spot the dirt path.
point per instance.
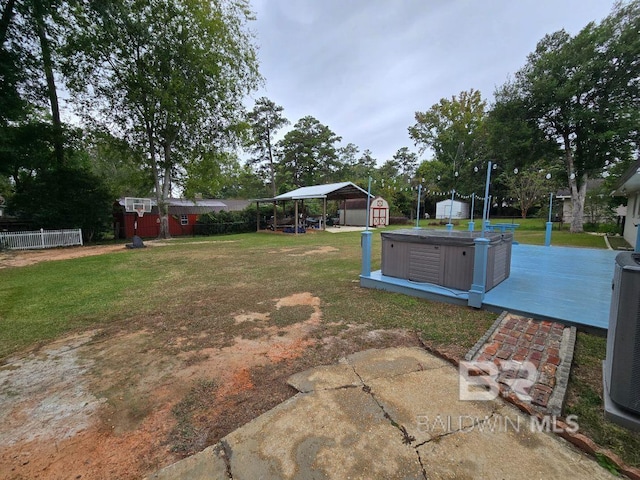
(103, 406)
(23, 258)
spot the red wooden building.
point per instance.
(183, 215)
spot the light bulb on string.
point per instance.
(515, 170)
(548, 176)
(572, 176)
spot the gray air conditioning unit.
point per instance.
(621, 367)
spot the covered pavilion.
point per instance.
(331, 191)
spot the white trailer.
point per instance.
(445, 207)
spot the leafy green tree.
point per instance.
(454, 130)
(265, 120)
(407, 161)
(223, 178)
(64, 197)
(118, 163)
(529, 185)
(583, 93)
(356, 168)
(169, 75)
(309, 154)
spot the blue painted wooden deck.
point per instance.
(569, 285)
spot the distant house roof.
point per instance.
(629, 182)
(592, 184)
(331, 191)
(183, 206)
(235, 205)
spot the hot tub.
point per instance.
(444, 257)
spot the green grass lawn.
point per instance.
(198, 285)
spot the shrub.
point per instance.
(223, 222)
(399, 221)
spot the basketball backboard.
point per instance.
(137, 205)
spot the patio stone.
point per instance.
(542, 346)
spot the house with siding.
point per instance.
(629, 186)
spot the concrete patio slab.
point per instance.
(504, 447)
(400, 421)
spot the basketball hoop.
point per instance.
(140, 210)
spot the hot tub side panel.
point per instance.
(426, 263)
(458, 268)
(395, 258)
(498, 263)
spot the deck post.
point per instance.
(365, 242)
(472, 224)
(478, 287)
(418, 210)
(547, 234)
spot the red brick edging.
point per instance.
(578, 440)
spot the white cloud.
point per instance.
(363, 67)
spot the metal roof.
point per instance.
(183, 202)
(183, 206)
(331, 191)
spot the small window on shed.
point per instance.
(184, 220)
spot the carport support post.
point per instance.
(324, 213)
(638, 239)
(295, 224)
(365, 242)
(476, 294)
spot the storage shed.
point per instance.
(444, 208)
(354, 212)
(183, 215)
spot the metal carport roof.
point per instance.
(331, 191)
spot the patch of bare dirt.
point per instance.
(104, 406)
(316, 251)
(23, 258)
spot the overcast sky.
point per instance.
(364, 67)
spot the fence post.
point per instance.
(80, 233)
(42, 236)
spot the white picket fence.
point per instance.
(41, 239)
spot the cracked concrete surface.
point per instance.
(384, 414)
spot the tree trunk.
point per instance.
(163, 203)
(5, 21)
(578, 194)
(272, 172)
(58, 143)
